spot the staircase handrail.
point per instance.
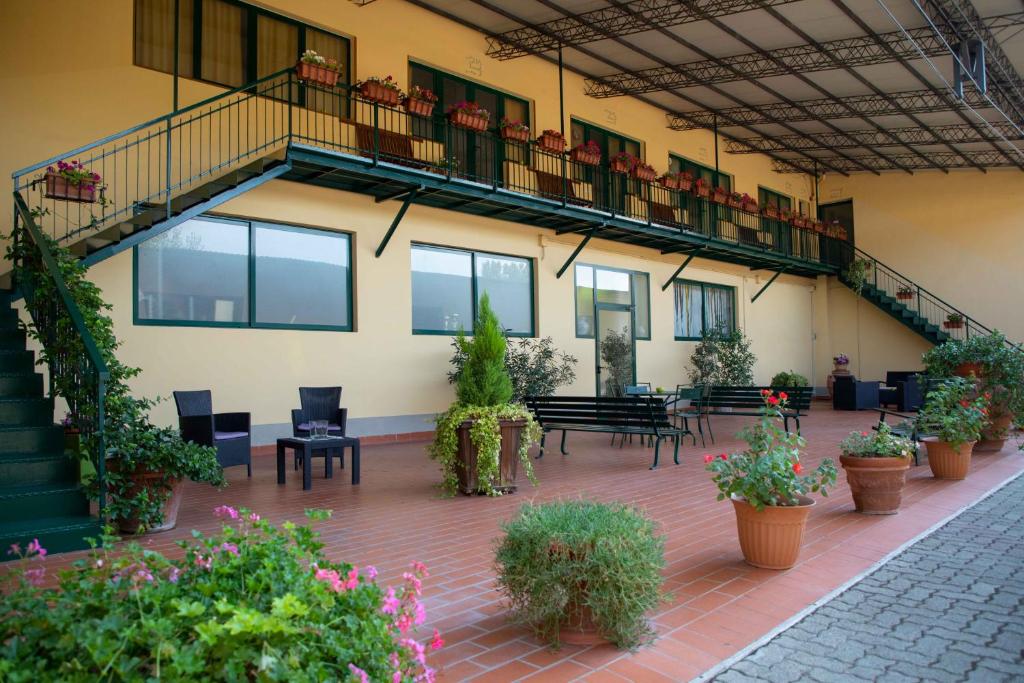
(47, 321)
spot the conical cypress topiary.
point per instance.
(484, 380)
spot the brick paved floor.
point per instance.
(718, 604)
(948, 608)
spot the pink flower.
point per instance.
(204, 562)
(416, 650)
(420, 613)
(391, 603)
(228, 548)
(420, 569)
(413, 582)
(253, 517)
(359, 673)
(437, 643)
(225, 511)
(708, 458)
(34, 548)
(35, 576)
(15, 549)
(404, 623)
(370, 571)
(172, 574)
(330, 576)
(863, 433)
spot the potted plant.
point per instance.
(685, 179)
(623, 162)
(420, 101)
(800, 221)
(857, 274)
(514, 130)
(73, 182)
(670, 181)
(551, 140)
(748, 203)
(588, 153)
(904, 293)
(313, 67)
(482, 438)
(768, 489)
(535, 367)
(954, 321)
(241, 604)
(788, 380)
(771, 210)
(734, 200)
(644, 171)
(840, 367)
(380, 90)
(720, 195)
(469, 115)
(581, 572)
(955, 415)
(876, 464)
(701, 188)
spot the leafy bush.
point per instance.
(253, 602)
(558, 557)
(1002, 367)
(954, 413)
(723, 359)
(768, 472)
(880, 443)
(535, 367)
(789, 379)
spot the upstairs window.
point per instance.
(766, 196)
(678, 164)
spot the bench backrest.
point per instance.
(750, 397)
(600, 411)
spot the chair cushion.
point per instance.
(224, 436)
(305, 426)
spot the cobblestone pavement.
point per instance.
(948, 608)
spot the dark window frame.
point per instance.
(679, 163)
(473, 253)
(703, 305)
(251, 224)
(593, 286)
(766, 194)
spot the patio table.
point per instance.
(309, 447)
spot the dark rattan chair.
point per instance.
(229, 433)
(319, 403)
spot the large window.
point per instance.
(447, 285)
(219, 272)
(595, 285)
(701, 307)
(678, 164)
(766, 196)
(227, 42)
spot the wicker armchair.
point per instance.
(229, 433)
(319, 403)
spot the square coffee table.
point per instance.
(322, 447)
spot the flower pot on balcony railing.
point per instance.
(314, 68)
(799, 221)
(469, 115)
(420, 101)
(748, 203)
(642, 171)
(516, 131)
(954, 321)
(719, 195)
(701, 188)
(669, 181)
(588, 153)
(551, 141)
(734, 200)
(623, 162)
(904, 293)
(72, 182)
(772, 211)
(380, 90)
(818, 227)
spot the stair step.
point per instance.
(12, 338)
(17, 361)
(26, 412)
(20, 503)
(31, 439)
(27, 384)
(58, 534)
(8, 319)
(26, 469)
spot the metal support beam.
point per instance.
(679, 270)
(397, 194)
(768, 284)
(398, 219)
(575, 253)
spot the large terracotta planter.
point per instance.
(508, 458)
(993, 437)
(945, 461)
(967, 369)
(876, 483)
(771, 538)
(148, 480)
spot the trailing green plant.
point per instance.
(253, 602)
(769, 472)
(558, 557)
(877, 443)
(789, 379)
(857, 274)
(483, 397)
(1002, 367)
(954, 412)
(129, 438)
(723, 358)
(617, 357)
(535, 366)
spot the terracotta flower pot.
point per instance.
(733, 203)
(945, 461)
(904, 296)
(584, 157)
(508, 458)
(771, 538)
(59, 187)
(579, 627)
(149, 480)
(686, 184)
(619, 166)
(463, 119)
(669, 183)
(966, 369)
(648, 174)
(418, 107)
(993, 436)
(551, 143)
(953, 324)
(516, 134)
(375, 92)
(876, 483)
(750, 207)
(314, 73)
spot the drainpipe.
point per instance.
(714, 120)
(561, 94)
(177, 32)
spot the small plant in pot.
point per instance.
(73, 182)
(581, 572)
(381, 90)
(768, 488)
(420, 101)
(954, 321)
(514, 130)
(876, 464)
(483, 437)
(953, 414)
(904, 293)
(785, 380)
(588, 153)
(315, 68)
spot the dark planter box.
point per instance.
(508, 459)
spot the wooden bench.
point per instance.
(644, 415)
(749, 400)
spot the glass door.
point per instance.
(615, 348)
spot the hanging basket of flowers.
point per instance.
(469, 115)
(622, 162)
(551, 141)
(643, 171)
(420, 101)
(313, 67)
(588, 153)
(516, 131)
(380, 90)
(72, 182)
